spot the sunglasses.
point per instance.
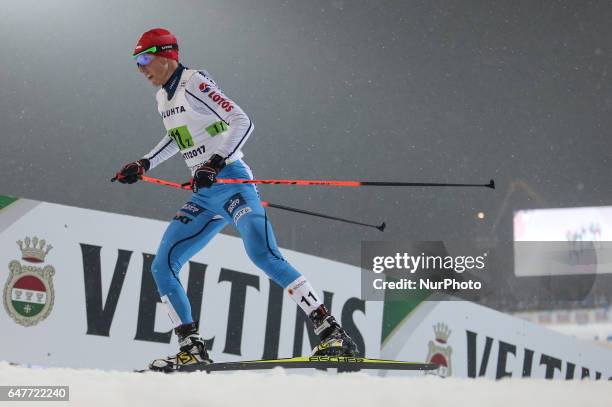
(145, 57)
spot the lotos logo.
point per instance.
(221, 101)
(204, 87)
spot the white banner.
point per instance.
(102, 309)
(469, 340)
(78, 293)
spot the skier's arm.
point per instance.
(238, 124)
(162, 151)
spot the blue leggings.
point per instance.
(199, 220)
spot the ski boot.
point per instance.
(334, 339)
(192, 351)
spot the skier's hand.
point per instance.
(206, 175)
(132, 172)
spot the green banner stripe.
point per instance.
(6, 200)
(394, 312)
(27, 309)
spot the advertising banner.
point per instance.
(563, 241)
(78, 292)
(469, 340)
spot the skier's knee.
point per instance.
(262, 257)
(257, 257)
(162, 272)
(157, 271)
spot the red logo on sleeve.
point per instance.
(204, 87)
(221, 101)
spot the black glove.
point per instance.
(132, 172)
(206, 175)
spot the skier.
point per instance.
(209, 130)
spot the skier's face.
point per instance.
(158, 71)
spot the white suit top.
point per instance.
(200, 121)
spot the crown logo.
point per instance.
(33, 250)
(442, 332)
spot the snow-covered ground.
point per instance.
(277, 388)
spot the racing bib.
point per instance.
(181, 136)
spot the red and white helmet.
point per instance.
(158, 41)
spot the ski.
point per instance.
(342, 363)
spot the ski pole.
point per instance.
(334, 183)
(302, 182)
(167, 183)
(380, 227)
(161, 181)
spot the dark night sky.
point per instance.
(440, 91)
